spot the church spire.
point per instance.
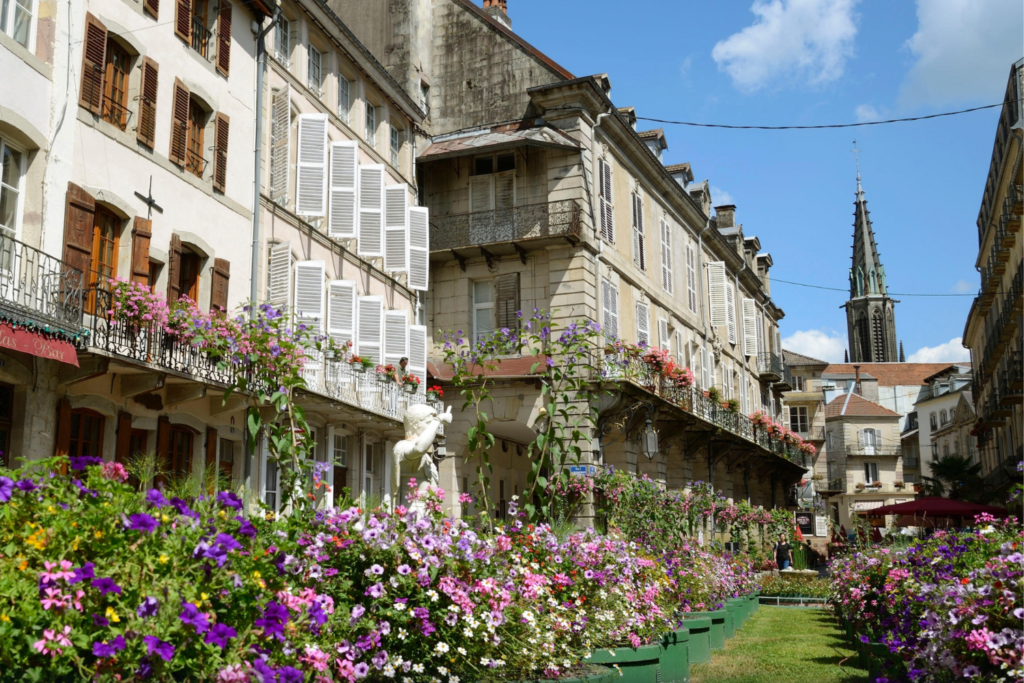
(867, 276)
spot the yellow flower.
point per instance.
(49, 508)
(112, 615)
(98, 534)
(163, 559)
(269, 516)
(4, 617)
(23, 565)
(198, 603)
(204, 597)
(222, 514)
(256, 575)
(164, 518)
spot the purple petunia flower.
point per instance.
(191, 616)
(99, 621)
(83, 573)
(376, 590)
(287, 674)
(376, 570)
(105, 585)
(149, 607)
(229, 500)
(361, 669)
(317, 615)
(220, 634)
(108, 649)
(245, 527)
(404, 569)
(264, 672)
(145, 669)
(357, 613)
(228, 542)
(140, 521)
(155, 498)
(82, 488)
(80, 462)
(26, 485)
(380, 659)
(161, 649)
(275, 616)
(183, 509)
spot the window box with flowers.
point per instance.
(435, 393)
(387, 372)
(360, 364)
(732, 405)
(410, 383)
(898, 485)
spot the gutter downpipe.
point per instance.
(261, 60)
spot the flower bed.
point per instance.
(787, 586)
(100, 582)
(948, 608)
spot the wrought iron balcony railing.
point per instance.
(155, 347)
(1001, 474)
(116, 113)
(36, 287)
(911, 461)
(770, 366)
(881, 450)
(810, 433)
(533, 221)
(692, 400)
(201, 36)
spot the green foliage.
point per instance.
(957, 478)
(788, 585)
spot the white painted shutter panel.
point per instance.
(309, 311)
(396, 337)
(504, 190)
(716, 292)
(311, 169)
(730, 311)
(760, 332)
(680, 356)
(396, 228)
(344, 164)
(418, 354)
(371, 210)
(610, 303)
(280, 143)
(705, 368)
(643, 327)
(664, 341)
(279, 280)
(341, 311)
(368, 327)
(691, 279)
(749, 327)
(419, 247)
(666, 256)
(481, 193)
(604, 171)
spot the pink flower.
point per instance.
(114, 471)
(234, 673)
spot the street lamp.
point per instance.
(649, 440)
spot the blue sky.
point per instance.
(799, 62)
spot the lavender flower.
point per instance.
(140, 521)
(191, 616)
(161, 649)
(148, 608)
(220, 634)
(108, 649)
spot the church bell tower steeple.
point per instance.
(870, 314)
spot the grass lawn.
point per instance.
(783, 645)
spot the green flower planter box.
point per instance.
(742, 609)
(700, 639)
(730, 620)
(739, 614)
(756, 596)
(641, 665)
(675, 660)
(875, 658)
(716, 635)
(595, 674)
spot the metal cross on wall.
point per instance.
(150, 202)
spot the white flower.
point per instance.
(462, 651)
(442, 670)
(441, 648)
(417, 668)
(453, 679)
(402, 635)
(400, 606)
(468, 632)
(432, 594)
(389, 671)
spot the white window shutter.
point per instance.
(396, 228)
(749, 327)
(610, 303)
(604, 171)
(344, 164)
(664, 339)
(730, 311)
(309, 295)
(280, 143)
(369, 322)
(341, 311)
(311, 169)
(371, 210)
(504, 190)
(279, 279)
(680, 356)
(418, 354)
(481, 193)
(705, 368)
(396, 337)
(666, 256)
(691, 279)
(716, 292)
(643, 325)
(419, 248)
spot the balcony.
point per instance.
(691, 400)
(881, 450)
(1003, 474)
(560, 220)
(786, 383)
(811, 433)
(770, 367)
(36, 287)
(911, 462)
(201, 36)
(1011, 381)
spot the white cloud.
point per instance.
(963, 50)
(964, 287)
(790, 40)
(719, 197)
(866, 112)
(827, 346)
(952, 351)
(684, 68)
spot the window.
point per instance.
(182, 440)
(604, 176)
(196, 123)
(942, 418)
(314, 77)
(909, 478)
(933, 420)
(270, 477)
(666, 256)
(610, 305)
(86, 433)
(372, 481)
(828, 440)
(798, 383)
(868, 440)
(344, 98)
(425, 98)
(154, 273)
(340, 450)
(691, 279)
(396, 144)
(956, 446)
(11, 171)
(870, 473)
(188, 274)
(483, 309)
(200, 33)
(282, 41)
(945, 449)
(106, 237)
(798, 419)
(643, 325)
(115, 85)
(371, 124)
(16, 20)
(226, 460)
(639, 240)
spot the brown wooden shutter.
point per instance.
(141, 233)
(63, 444)
(124, 437)
(179, 123)
(153, 7)
(220, 152)
(183, 20)
(146, 130)
(79, 219)
(94, 64)
(174, 269)
(506, 305)
(163, 448)
(211, 449)
(221, 275)
(224, 38)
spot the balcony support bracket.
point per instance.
(489, 256)
(521, 252)
(88, 367)
(183, 393)
(134, 385)
(218, 406)
(460, 259)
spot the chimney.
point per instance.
(725, 215)
(498, 9)
(856, 380)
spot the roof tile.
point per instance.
(858, 406)
(889, 374)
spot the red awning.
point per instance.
(37, 344)
(939, 507)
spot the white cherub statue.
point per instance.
(422, 422)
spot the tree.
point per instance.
(957, 476)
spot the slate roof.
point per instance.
(858, 406)
(498, 140)
(889, 374)
(794, 358)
